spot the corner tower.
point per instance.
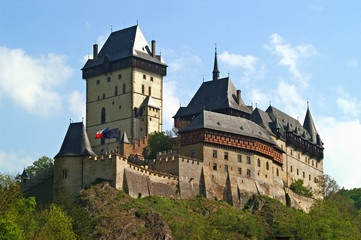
(121, 82)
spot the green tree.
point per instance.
(158, 142)
(327, 185)
(39, 165)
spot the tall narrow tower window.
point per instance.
(103, 115)
(150, 91)
(123, 88)
(116, 91)
(142, 89)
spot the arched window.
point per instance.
(103, 115)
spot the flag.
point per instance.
(100, 134)
(112, 133)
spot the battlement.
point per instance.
(165, 158)
(151, 172)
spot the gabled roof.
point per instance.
(128, 42)
(213, 96)
(76, 142)
(229, 124)
(261, 118)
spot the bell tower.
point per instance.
(124, 88)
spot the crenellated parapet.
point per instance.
(38, 178)
(151, 172)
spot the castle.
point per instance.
(228, 151)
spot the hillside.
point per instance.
(115, 215)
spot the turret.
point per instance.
(215, 68)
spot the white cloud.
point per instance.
(342, 142)
(13, 162)
(350, 106)
(259, 98)
(100, 41)
(76, 101)
(180, 63)
(31, 82)
(352, 62)
(170, 103)
(247, 62)
(291, 56)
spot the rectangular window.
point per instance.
(150, 91)
(144, 77)
(98, 81)
(215, 166)
(226, 168)
(108, 79)
(304, 175)
(316, 164)
(225, 155)
(123, 88)
(299, 155)
(65, 173)
(116, 90)
(291, 169)
(248, 160)
(119, 76)
(240, 171)
(297, 171)
(278, 173)
(309, 177)
(258, 162)
(151, 79)
(239, 158)
(248, 172)
(214, 153)
(142, 89)
(103, 95)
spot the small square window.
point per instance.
(239, 158)
(108, 79)
(215, 166)
(98, 82)
(119, 76)
(151, 79)
(144, 76)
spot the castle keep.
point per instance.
(228, 149)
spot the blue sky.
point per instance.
(280, 51)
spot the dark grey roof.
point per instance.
(76, 142)
(213, 96)
(309, 125)
(179, 112)
(124, 138)
(24, 174)
(128, 42)
(289, 124)
(229, 124)
(261, 118)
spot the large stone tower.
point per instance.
(124, 88)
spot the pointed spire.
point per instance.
(309, 125)
(215, 68)
(124, 138)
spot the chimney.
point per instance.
(95, 52)
(153, 48)
(239, 97)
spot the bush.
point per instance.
(297, 187)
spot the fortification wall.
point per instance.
(300, 202)
(139, 181)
